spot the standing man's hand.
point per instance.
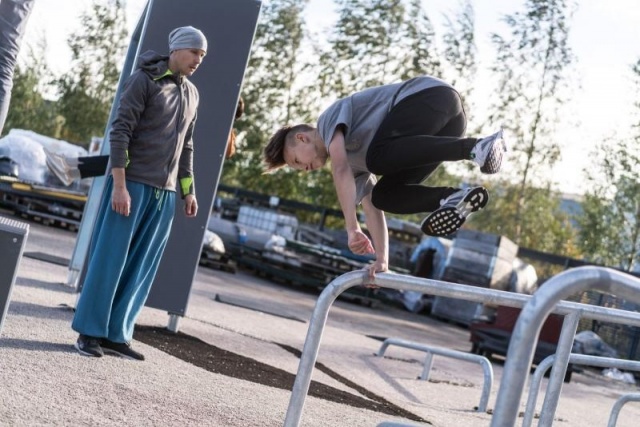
(190, 206)
(121, 201)
(120, 198)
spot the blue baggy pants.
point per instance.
(123, 260)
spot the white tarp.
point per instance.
(29, 150)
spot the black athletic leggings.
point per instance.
(417, 135)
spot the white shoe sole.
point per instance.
(448, 219)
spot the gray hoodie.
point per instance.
(151, 135)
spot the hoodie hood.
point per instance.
(153, 63)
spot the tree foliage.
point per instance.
(292, 76)
(531, 69)
(610, 222)
(87, 90)
(29, 108)
(276, 94)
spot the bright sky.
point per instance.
(604, 37)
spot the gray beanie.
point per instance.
(187, 38)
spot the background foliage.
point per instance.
(294, 73)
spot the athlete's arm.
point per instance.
(345, 185)
(377, 226)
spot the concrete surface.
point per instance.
(46, 382)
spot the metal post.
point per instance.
(559, 370)
(312, 343)
(426, 370)
(174, 322)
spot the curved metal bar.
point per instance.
(575, 359)
(454, 354)
(312, 343)
(613, 418)
(520, 353)
(529, 324)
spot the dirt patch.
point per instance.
(213, 359)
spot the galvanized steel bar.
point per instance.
(426, 367)
(487, 369)
(529, 324)
(546, 300)
(575, 359)
(559, 370)
(613, 418)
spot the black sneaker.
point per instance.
(89, 346)
(454, 210)
(121, 349)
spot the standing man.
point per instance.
(14, 15)
(151, 154)
(401, 132)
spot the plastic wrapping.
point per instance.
(29, 151)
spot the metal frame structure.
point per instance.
(536, 308)
(487, 369)
(576, 359)
(613, 418)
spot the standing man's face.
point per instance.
(187, 61)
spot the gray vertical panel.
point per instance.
(229, 26)
(13, 238)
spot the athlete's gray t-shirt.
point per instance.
(360, 115)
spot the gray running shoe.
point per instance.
(454, 210)
(488, 152)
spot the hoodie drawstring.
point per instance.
(160, 196)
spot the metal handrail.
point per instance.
(613, 418)
(522, 344)
(484, 363)
(575, 359)
(547, 298)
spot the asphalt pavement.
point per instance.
(44, 381)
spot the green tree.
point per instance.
(417, 47)
(364, 47)
(29, 109)
(86, 92)
(610, 222)
(460, 53)
(460, 47)
(531, 69)
(556, 233)
(275, 94)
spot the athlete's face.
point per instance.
(306, 154)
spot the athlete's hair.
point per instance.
(273, 154)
